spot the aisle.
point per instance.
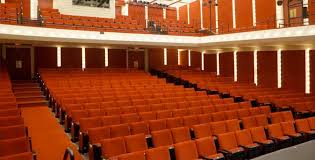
(48, 138)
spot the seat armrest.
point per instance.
(34, 154)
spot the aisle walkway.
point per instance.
(48, 138)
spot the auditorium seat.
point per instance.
(136, 143)
(244, 139)
(259, 136)
(218, 128)
(202, 130)
(275, 132)
(302, 126)
(113, 147)
(207, 150)
(139, 127)
(159, 153)
(15, 146)
(162, 138)
(186, 151)
(15, 131)
(119, 130)
(156, 125)
(132, 156)
(174, 122)
(289, 130)
(228, 145)
(180, 134)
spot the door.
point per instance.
(136, 59)
(19, 63)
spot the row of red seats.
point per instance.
(281, 98)
(14, 140)
(231, 144)
(148, 125)
(53, 19)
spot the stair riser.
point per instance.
(33, 104)
(25, 85)
(28, 94)
(30, 99)
(26, 89)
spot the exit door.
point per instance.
(19, 63)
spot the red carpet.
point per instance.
(48, 138)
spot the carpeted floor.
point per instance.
(48, 138)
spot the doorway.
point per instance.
(19, 63)
(136, 59)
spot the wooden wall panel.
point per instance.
(184, 58)
(195, 59)
(155, 13)
(267, 69)
(172, 57)
(265, 13)
(183, 13)
(117, 58)
(312, 71)
(311, 11)
(171, 13)
(293, 70)
(156, 57)
(71, 58)
(206, 15)
(137, 12)
(245, 67)
(94, 58)
(45, 57)
(227, 64)
(225, 15)
(210, 62)
(244, 14)
(194, 13)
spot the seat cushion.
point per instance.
(253, 145)
(236, 150)
(216, 156)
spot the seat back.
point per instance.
(275, 130)
(180, 134)
(136, 143)
(243, 137)
(232, 125)
(205, 146)
(113, 147)
(227, 141)
(202, 130)
(162, 138)
(186, 151)
(160, 153)
(258, 134)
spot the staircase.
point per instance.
(28, 94)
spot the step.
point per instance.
(17, 89)
(27, 93)
(30, 98)
(25, 85)
(33, 103)
(23, 81)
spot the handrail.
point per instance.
(68, 153)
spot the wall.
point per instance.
(244, 14)
(293, 70)
(245, 67)
(206, 15)
(155, 13)
(210, 62)
(94, 58)
(194, 13)
(171, 13)
(183, 13)
(66, 7)
(172, 57)
(156, 57)
(312, 71)
(195, 59)
(71, 58)
(137, 12)
(267, 69)
(45, 57)
(225, 15)
(265, 13)
(184, 58)
(227, 64)
(117, 58)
